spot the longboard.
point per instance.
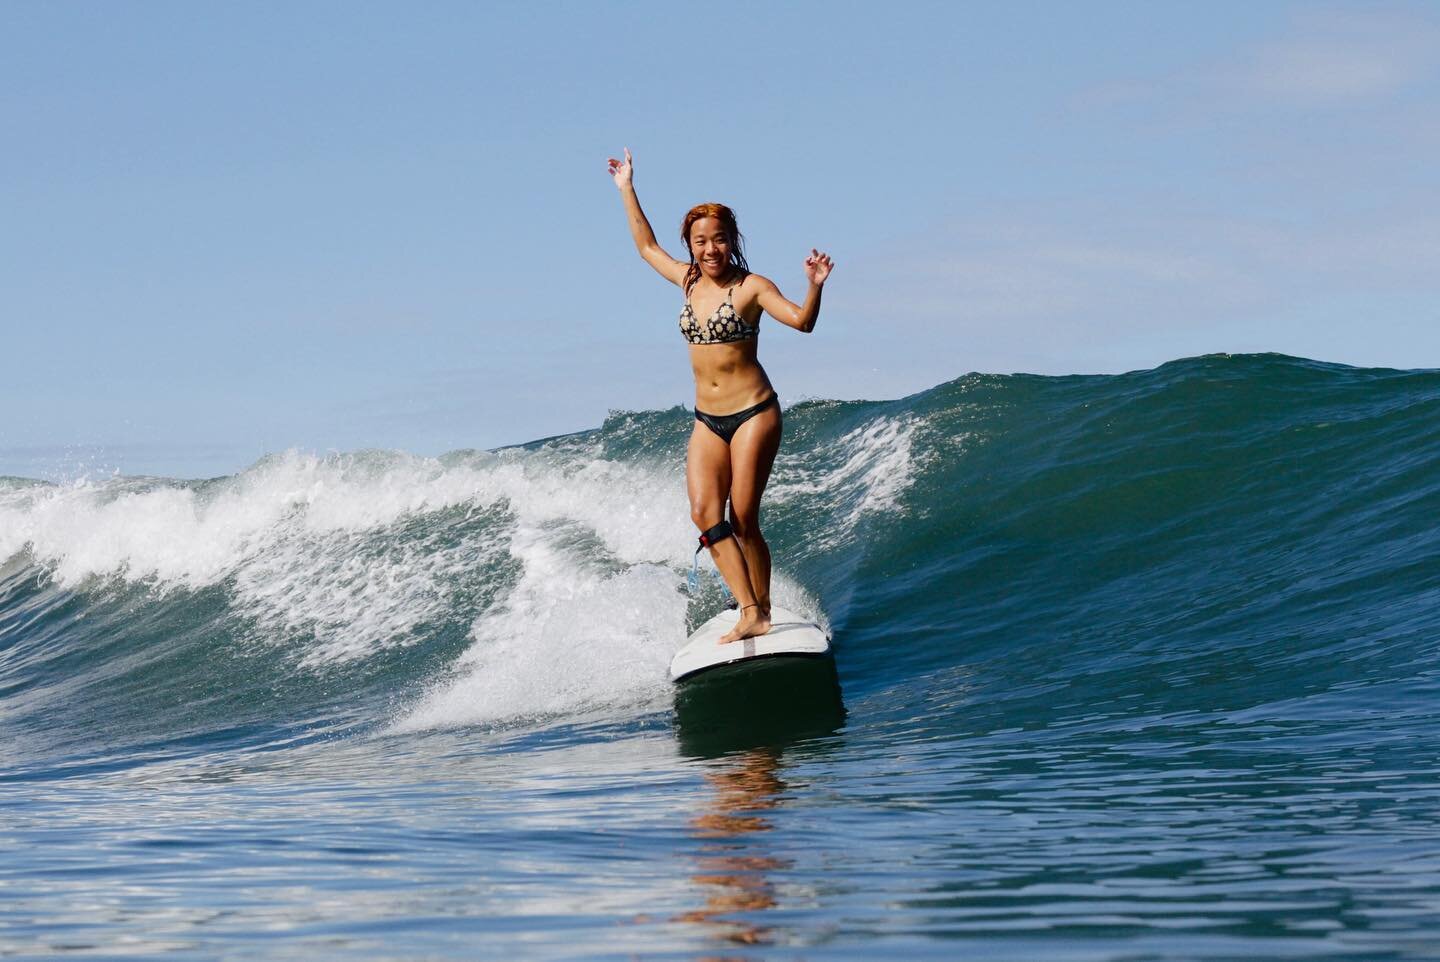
(791, 635)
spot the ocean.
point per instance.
(1130, 667)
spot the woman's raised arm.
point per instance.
(787, 312)
(668, 267)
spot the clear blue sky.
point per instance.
(227, 230)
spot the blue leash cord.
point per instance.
(692, 580)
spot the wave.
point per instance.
(1232, 530)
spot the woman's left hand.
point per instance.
(818, 267)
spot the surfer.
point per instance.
(737, 413)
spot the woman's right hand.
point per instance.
(622, 170)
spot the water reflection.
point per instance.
(742, 721)
(732, 861)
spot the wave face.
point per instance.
(1233, 531)
(1131, 666)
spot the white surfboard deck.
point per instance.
(790, 634)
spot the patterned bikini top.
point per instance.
(724, 326)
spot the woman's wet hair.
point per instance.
(726, 217)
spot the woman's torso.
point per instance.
(728, 376)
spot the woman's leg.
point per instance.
(752, 455)
(707, 476)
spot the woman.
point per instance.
(737, 413)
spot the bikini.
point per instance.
(724, 326)
(726, 425)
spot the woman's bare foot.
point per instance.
(752, 622)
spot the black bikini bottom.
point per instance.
(725, 425)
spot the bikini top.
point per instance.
(724, 326)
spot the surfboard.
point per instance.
(791, 635)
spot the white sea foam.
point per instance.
(570, 637)
(301, 542)
(867, 472)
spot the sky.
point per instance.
(229, 230)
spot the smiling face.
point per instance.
(714, 243)
(710, 247)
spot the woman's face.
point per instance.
(710, 246)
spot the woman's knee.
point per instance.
(706, 516)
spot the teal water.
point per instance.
(1127, 667)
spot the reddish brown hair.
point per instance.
(726, 217)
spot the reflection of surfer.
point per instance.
(738, 878)
(737, 413)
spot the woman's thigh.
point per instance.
(707, 474)
(752, 455)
